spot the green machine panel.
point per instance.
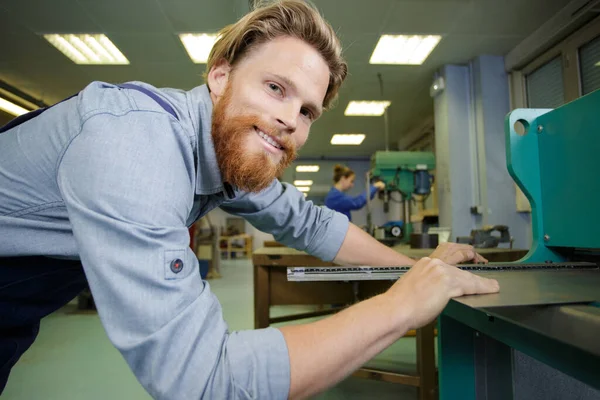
(556, 165)
(571, 188)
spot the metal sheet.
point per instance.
(519, 288)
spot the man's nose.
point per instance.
(287, 117)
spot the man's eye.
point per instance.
(306, 112)
(275, 88)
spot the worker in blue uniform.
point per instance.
(343, 180)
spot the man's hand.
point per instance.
(424, 291)
(454, 253)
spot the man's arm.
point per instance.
(282, 211)
(128, 184)
(324, 352)
(359, 248)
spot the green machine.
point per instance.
(407, 173)
(539, 337)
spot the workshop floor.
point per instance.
(73, 358)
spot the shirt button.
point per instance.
(176, 266)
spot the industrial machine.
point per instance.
(538, 337)
(407, 177)
(538, 340)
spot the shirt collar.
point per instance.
(208, 176)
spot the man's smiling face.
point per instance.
(265, 105)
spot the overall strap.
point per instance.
(166, 106)
(32, 114)
(27, 116)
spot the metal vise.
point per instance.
(483, 238)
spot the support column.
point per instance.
(498, 189)
(453, 151)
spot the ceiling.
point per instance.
(146, 32)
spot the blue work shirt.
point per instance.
(110, 178)
(342, 203)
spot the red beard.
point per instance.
(251, 172)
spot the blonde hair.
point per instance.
(340, 171)
(293, 18)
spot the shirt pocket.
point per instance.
(177, 265)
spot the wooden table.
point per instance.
(246, 238)
(271, 287)
(272, 243)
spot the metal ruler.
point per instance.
(367, 273)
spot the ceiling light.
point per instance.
(198, 45)
(348, 139)
(438, 85)
(88, 48)
(303, 183)
(597, 64)
(307, 168)
(12, 108)
(367, 108)
(303, 188)
(404, 49)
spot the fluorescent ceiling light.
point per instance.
(198, 45)
(597, 64)
(367, 108)
(307, 168)
(303, 183)
(303, 188)
(404, 49)
(88, 48)
(348, 139)
(12, 108)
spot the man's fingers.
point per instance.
(487, 285)
(460, 255)
(478, 285)
(466, 283)
(464, 254)
(480, 258)
(471, 254)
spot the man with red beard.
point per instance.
(104, 185)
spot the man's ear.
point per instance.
(218, 76)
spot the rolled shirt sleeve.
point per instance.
(283, 211)
(128, 184)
